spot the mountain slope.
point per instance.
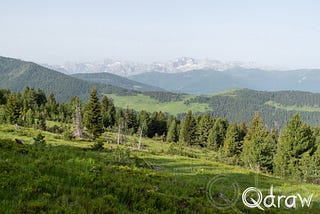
(193, 82)
(17, 74)
(112, 79)
(276, 108)
(212, 81)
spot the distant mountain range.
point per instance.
(212, 81)
(127, 68)
(188, 75)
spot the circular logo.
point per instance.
(217, 194)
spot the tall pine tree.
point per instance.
(188, 129)
(173, 135)
(232, 146)
(258, 146)
(218, 133)
(93, 118)
(203, 129)
(296, 142)
(108, 112)
(12, 109)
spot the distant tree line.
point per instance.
(294, 152)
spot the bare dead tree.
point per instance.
(77, 120)
(140, 138)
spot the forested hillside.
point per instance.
(17, 74)
(274, 107)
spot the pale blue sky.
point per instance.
(284, 33)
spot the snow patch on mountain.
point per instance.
(127, 68)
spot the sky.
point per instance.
(277, 33)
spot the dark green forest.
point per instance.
(239, 105)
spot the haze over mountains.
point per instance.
(212, 81)
(127, 68)
(188, 75)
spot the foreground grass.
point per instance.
(68, 177)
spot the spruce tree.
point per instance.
(144, 121)
(218, 133)
(51, 106)
(41, 122)
(203, 129)
(2, 114)
(258, 146)
(108, 112)
(173, 135)
(93, 118)
(188, 129)
(130, 120)
(12, 109)
(232, 146)
(30, 120)
(295, 142)
(157, 125)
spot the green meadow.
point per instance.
(293, 107)
(70, 177)
(144, 102)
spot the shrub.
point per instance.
(68, 135)
(55, 129)
(39, 140)
(97, 146)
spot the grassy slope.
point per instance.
(68, 178)
(293, 108)
(143, 102)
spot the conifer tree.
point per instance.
(51, 106)
(157, 125)
(2, 114)
(130, 120)
(218, 133)
(12, 109)
(144, 121)
(295, 142)
(173, 135)
(203, 129)
(30, 118)
(93, 118)
(188, 129)
(108, 112)
(258, 146)
(41, 122)
(232, 146)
